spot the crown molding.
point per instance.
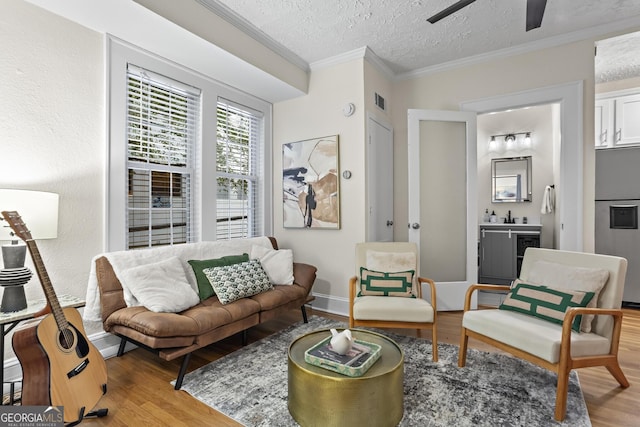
(546, 43)
(379, 63)
(338, 59)
(246, 27)
(362, 52)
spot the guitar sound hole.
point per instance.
(66, 339)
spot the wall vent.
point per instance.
(379, 101)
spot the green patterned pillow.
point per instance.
(236, 281)
(378, 283)
(546, 303)
(204, 287)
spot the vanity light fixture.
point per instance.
(510, 141)
(493, 144)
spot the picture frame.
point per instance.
(311, 184)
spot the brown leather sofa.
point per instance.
(172, 335)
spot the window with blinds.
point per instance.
(238, 170)
(162, 122)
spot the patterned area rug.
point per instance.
(250, 385)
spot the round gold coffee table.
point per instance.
(320, 397)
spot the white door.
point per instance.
(380, 180)
(442, 150)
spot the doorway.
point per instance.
(570, 214)
(536, 133)
(569, 188)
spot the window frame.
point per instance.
(119, 54)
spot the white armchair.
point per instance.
(557, 347)
(392, 311)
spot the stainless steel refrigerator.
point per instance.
(616, 216)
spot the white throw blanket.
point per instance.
(123, 260)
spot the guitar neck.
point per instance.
(47, 287)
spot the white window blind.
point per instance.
(162, 123)
(240, 135)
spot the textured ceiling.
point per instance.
(397, 30)
(618, 58)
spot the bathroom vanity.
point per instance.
(501, 250)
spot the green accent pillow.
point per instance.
(204, 286)
(377, 283)
(546, 303)
(236, 281)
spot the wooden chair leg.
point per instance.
(561, 394)
(616, 371)
(462, 355)
(434, 342)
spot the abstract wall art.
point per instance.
(310, 184)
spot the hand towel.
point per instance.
(548, 200)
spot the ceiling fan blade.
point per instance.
(451, 9)
(535, 12)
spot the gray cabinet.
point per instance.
(501, 250)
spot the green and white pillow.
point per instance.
(236, 281)
(546, 303)
(377, 283)
(204, 286)
(565, 277)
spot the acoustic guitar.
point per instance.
(60, 366)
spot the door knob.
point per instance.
(415, 225)
(389, 223)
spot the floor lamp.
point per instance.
(39, 211)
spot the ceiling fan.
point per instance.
(535, 12)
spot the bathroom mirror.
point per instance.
(511, 179)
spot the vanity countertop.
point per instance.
(501, 224)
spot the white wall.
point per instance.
(320, 114)
(53, 133)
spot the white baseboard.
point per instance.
(329, 304)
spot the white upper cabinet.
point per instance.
(627, 120)
(604, 123)
(617, 120)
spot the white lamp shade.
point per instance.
(38, 210)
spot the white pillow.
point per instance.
(565, 277)
(161, 286)
(391, 262)
(278, 264)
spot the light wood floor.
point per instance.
(139, 392)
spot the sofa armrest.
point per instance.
(111, 293)
(304, 275)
